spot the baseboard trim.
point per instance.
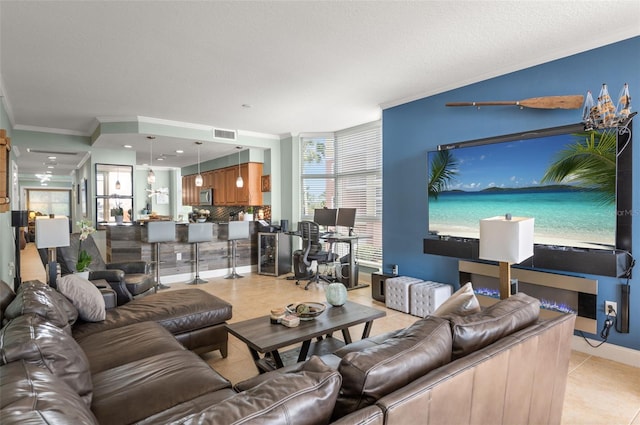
(188, 277)
(607, 351)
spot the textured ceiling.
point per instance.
(302, 66)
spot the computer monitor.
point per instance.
(346, 217)
(325, 216)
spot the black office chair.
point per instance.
(312, 251)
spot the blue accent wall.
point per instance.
(412, 129)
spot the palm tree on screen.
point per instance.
(443, 170)
(590, 163)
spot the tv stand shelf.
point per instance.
(589, 261)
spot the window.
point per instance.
(114, 188)
(49, 201)
(344, 169)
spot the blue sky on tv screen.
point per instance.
(515, 164)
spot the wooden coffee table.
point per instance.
(264, 338)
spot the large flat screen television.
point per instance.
(576, 184)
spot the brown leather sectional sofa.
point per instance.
(498, 366)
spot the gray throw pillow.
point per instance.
(85, 296)
(462, 302)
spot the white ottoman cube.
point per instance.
(397, 292)
(427, 296)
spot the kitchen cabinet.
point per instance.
(190, 193)
(219, 195)
(223, 183)
(207, 180)
(230, 189)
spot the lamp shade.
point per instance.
(509, 241)
(52, 232)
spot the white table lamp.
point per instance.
(52, 233)
(507, 240)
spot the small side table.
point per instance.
(378, 285)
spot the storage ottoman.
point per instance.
(427, 296)
(398, 292)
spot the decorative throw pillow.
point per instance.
(85, 296)
(462, 302)
(35, 340)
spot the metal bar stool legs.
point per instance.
(199, 232)
(159, 285)
(233, 274)
(156, 232)
(237, 230)
(197, 279)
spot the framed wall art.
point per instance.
(265, 183)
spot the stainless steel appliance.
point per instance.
(206, 197)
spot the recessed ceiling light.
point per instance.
(50, 166)
(160, 159)
(179, 151)
(127, 146)
(48, 172)
(51, 157)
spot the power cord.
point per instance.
(609, 322)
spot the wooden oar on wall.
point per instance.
(547, 102)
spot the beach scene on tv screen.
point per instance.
(565, 182)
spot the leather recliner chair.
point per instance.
(131, 279)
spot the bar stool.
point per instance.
(237, 230)
(158, 232)
(199, 232)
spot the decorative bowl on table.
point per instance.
(306, 310)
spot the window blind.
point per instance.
(344, 169)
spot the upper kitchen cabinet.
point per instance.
(223, 182)
(251, 192)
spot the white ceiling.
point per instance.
(302, 66)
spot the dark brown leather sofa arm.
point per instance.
(115, 279)
(131, 267)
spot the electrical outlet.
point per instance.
(178, 256)
(610, 308)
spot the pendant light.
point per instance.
(239, 180)
(118, 179)
(151, 176)
(199, 176)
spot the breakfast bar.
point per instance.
(126, 243)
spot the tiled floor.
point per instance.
(599, 391)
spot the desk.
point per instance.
(263, 337)
(351, 280)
